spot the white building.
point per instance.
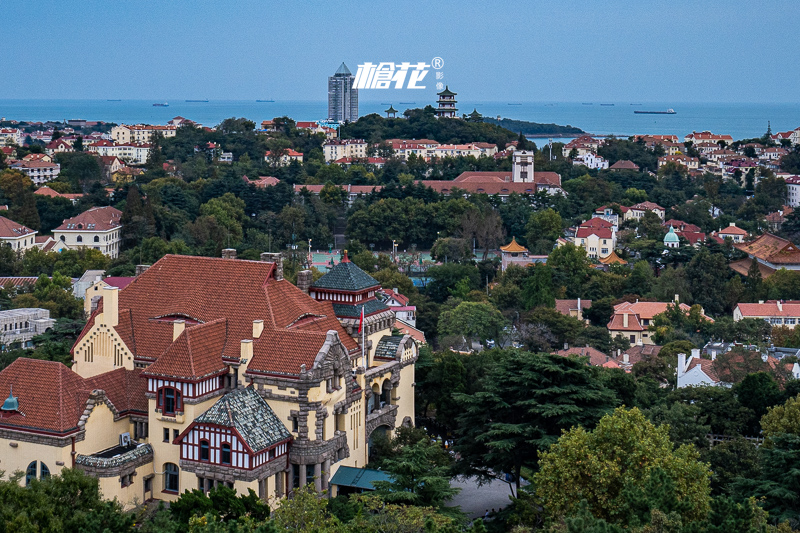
(776, 312)
(522, 169)
(793, 191)
(38, 171)
(140, 133)
(591, 160)
(19, 326)
(15, 235)
(400, 305)
(10, 136)
(286, 158)
(99, 228)
(134, 153)
(338, 148)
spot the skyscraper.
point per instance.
(342, 96)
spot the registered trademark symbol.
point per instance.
(437, 63)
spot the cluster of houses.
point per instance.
(99, 228)
(716, 155)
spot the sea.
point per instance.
(740, 120)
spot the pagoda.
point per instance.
(447, 104)
(475, 116)
(391, 112)
(350, 289)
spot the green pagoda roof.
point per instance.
(391, 109)
(247, 412)
(446, 92)
(354, 310)
(346, 276)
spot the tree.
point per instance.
(571, 269)
(419, 476)
(521, 407)
(641, 279)
(137, 221)
(451, 249)
(730, 460)
(779, 482)
(473, 320)
(543, 229)
(305, 511)
(612, 466)
(17, 189)
(537, 291)
(758, 392)
(782, 419)
(70, 501)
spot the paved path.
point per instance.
(474, 500)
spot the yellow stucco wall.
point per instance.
(17, 458)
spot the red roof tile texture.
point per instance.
(233, 292)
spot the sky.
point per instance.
(562, 51)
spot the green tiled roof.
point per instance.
(247, 412)
(360, 478)
(387, 346)
(354, 311)
(346, 276)
(446, 92)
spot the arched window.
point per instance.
(96, 238)
(171, 477)
(169, 400)
(63, 239)
(44, 471)
(204, 450)
(30, 473)
(225, 457)
(79, 239)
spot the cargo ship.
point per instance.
(161, 105)
(669, 111)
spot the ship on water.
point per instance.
(669, 111)
(165, 104)
(267, 101)
(198, 101)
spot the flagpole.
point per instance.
(363, 359)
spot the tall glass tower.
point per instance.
(342, 96)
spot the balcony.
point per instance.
(116, 460)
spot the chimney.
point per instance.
(229, 253)
(780, 306)
(245, 356)
(624, 320)
(395, 290)
(177, 328)
(258, 328)
(681, 364)
(140, 269)
(111, 306)
(696, 353)
(764, 357)
(677, 299)
(566, 346)
(278, 260)
(304, 279)
(732, 225)
(761, 301)
(713, 355)
(625, 358)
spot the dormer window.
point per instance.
(169, 400)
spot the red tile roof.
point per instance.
(47, 191)
(565, 306)
(624, 164)
(195, 354)
(596, 357)
(647, 206)
(204, 289)
(732, 230)
(124, 388)
(769, 308)
(94, 219)
(119, 281)
(11, 230)
(772, 249)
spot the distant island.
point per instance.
(535, 129)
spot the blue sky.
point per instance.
(668, 51)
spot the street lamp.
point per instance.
(309, 254)
(394, 254)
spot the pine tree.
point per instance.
(524, 403)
